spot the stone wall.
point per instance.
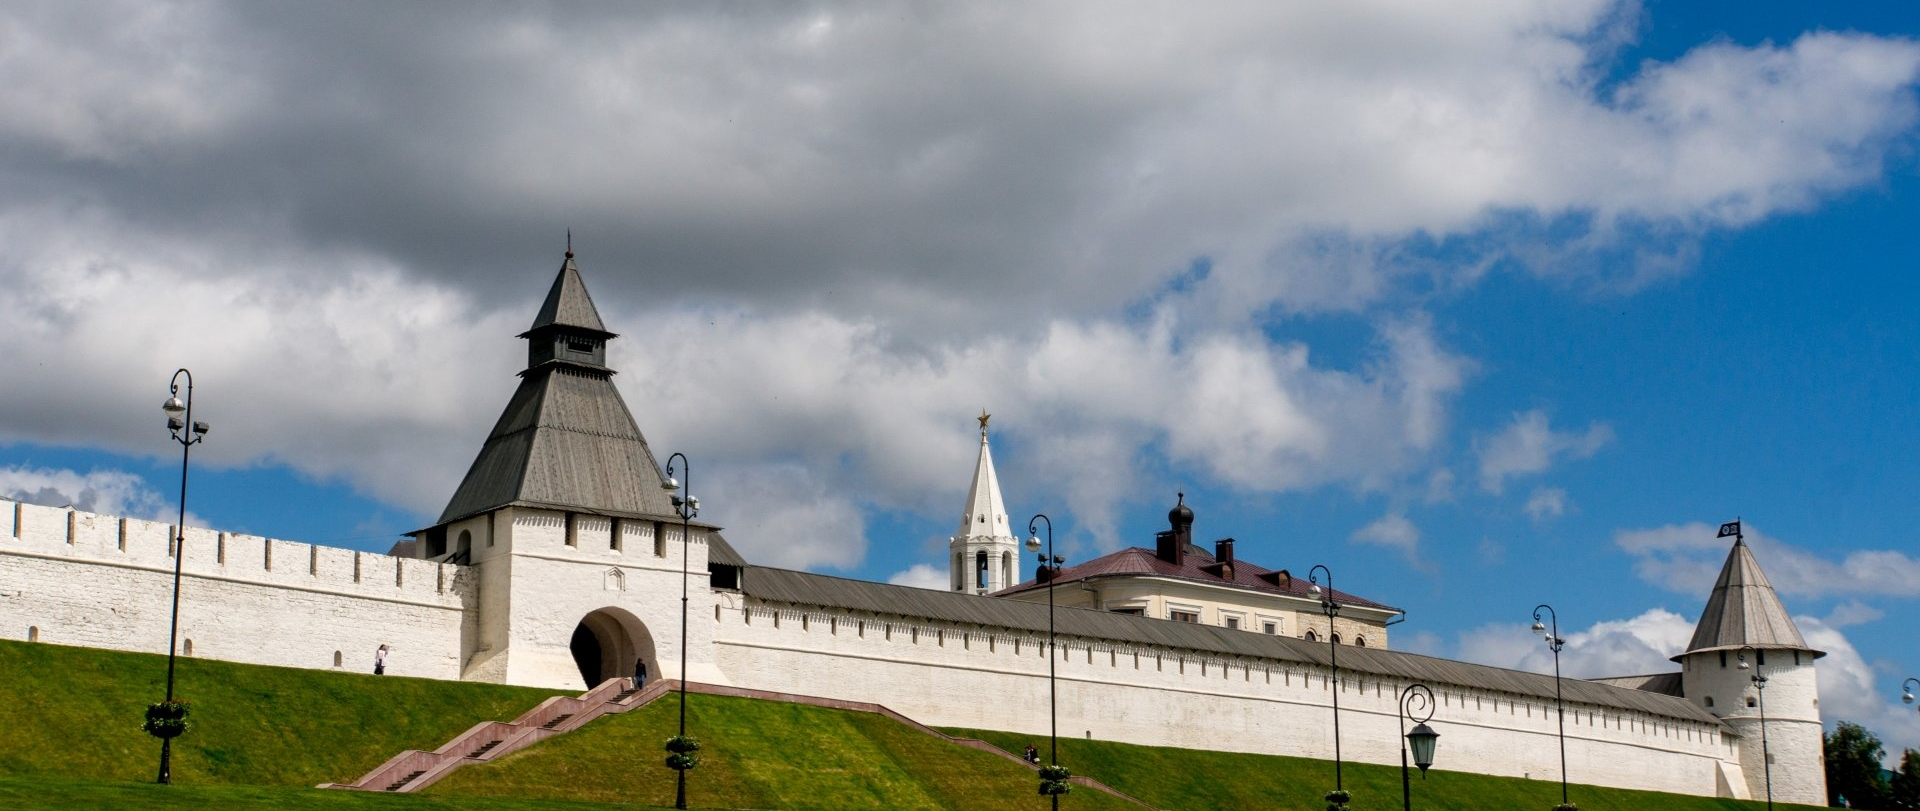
(949, 675)
(76, 578)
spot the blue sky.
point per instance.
(1508, 305)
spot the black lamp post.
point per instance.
(686, 506)
(1416, 698)
(1760, 688)
(188, 433)
(1331, 609)
(1049, 563)
(1554, 643)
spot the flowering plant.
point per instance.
(1053, 780)
(682, 748)
(167, 719)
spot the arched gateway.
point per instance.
(607, 642)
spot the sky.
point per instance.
(1482, 305)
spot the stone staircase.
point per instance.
(414, 770)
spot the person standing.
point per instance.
(639, 673)
(380, 661)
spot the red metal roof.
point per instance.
(1198, 566)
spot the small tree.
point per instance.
(1853, 767)
(1906, 783)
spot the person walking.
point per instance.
(380, 661)
(639, 673)
(1033, 754)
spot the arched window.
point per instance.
(1709, 701)
(1359, 641)
(1336, 638)
(959, 572)
(464, 546)
(187, 650)
(980, 569)
(1311, 637)
(1006, 569)
(338, 660)
(1749, 702)
(33, 633)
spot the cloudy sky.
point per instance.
(1483, 305)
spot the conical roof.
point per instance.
(986, 515)
(1744, 610)
(566, 440)
(568, 304)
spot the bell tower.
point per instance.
(984, 553)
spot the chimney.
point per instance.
(1223, 550)
(1044, 574)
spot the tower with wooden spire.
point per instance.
(1744, 612)
(565, 523)
(985, 553)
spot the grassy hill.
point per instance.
(262, 735)
(76, 712)
(762, 754)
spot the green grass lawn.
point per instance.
(76, 713)
(764, 755)
(1192, 780)
(45, 793)
(263, 735)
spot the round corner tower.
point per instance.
(1744, 622)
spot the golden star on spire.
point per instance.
(984, 416)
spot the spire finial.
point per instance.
(984, 416)
(569, 243)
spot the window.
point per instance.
(1269, 628)
(1133, 611)
(614, 538)
(659, 540)
(187, 649)
(1233, 623)
(338, 659)
(1709, 701)
(1183, 616)
(33, 633)
(1336, 639)
(1723, 658)
(980, 569)
(1310, 637)
(580, 346)
(1359, 641)
(1749, 702)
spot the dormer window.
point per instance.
(580, 346)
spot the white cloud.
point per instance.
(785, 515)
(1393, 531)
(1529, 445)
(1630, 647)
(109, 492)
(1850, 690)
(1547, 502)
(1679, 557)
(815, 265)
(1851, 613)
(922, 576)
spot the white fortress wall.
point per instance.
(77, 578)
(948, 675)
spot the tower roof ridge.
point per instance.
(1744, 610)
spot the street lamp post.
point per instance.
(1906, 690)
(188, 433)
(686, 506)
(1050, 563)
(1332, 609)
(1760, 688)
(1554, 643)
(1416, 698)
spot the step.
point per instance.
(483, 750)
(557, 720)
(405, 780)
